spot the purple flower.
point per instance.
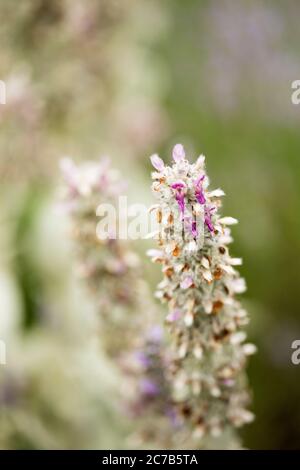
(196, 342)
(187, 282)
(178, 153)
(179, 186)
(174, 316)
(191, 225)
(149, 387)
(207, 218)
(143, 359)
(199, 190)
(173, 416)
(180, 200)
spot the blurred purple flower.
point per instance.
(149, 387)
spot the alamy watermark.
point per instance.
(295, 97)
(2, 92)
(137, 221)
(295, 358)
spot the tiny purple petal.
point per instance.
(187, 282)
(210, 209)
(207, 218)
(191, 225)
(178, 153)
(200, 196)
(181, 202)
(174, 316)
(157, 162)
(209, 223)
(199, 190)
(178, 185)
(199, 180)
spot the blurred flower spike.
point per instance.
(109, 267)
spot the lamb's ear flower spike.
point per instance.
(205, 319)
(109, 266)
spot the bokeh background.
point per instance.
(128, 78)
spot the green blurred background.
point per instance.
(130, 78)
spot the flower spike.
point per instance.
(205, 320)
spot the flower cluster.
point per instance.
(109, 267)
(200, 284)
